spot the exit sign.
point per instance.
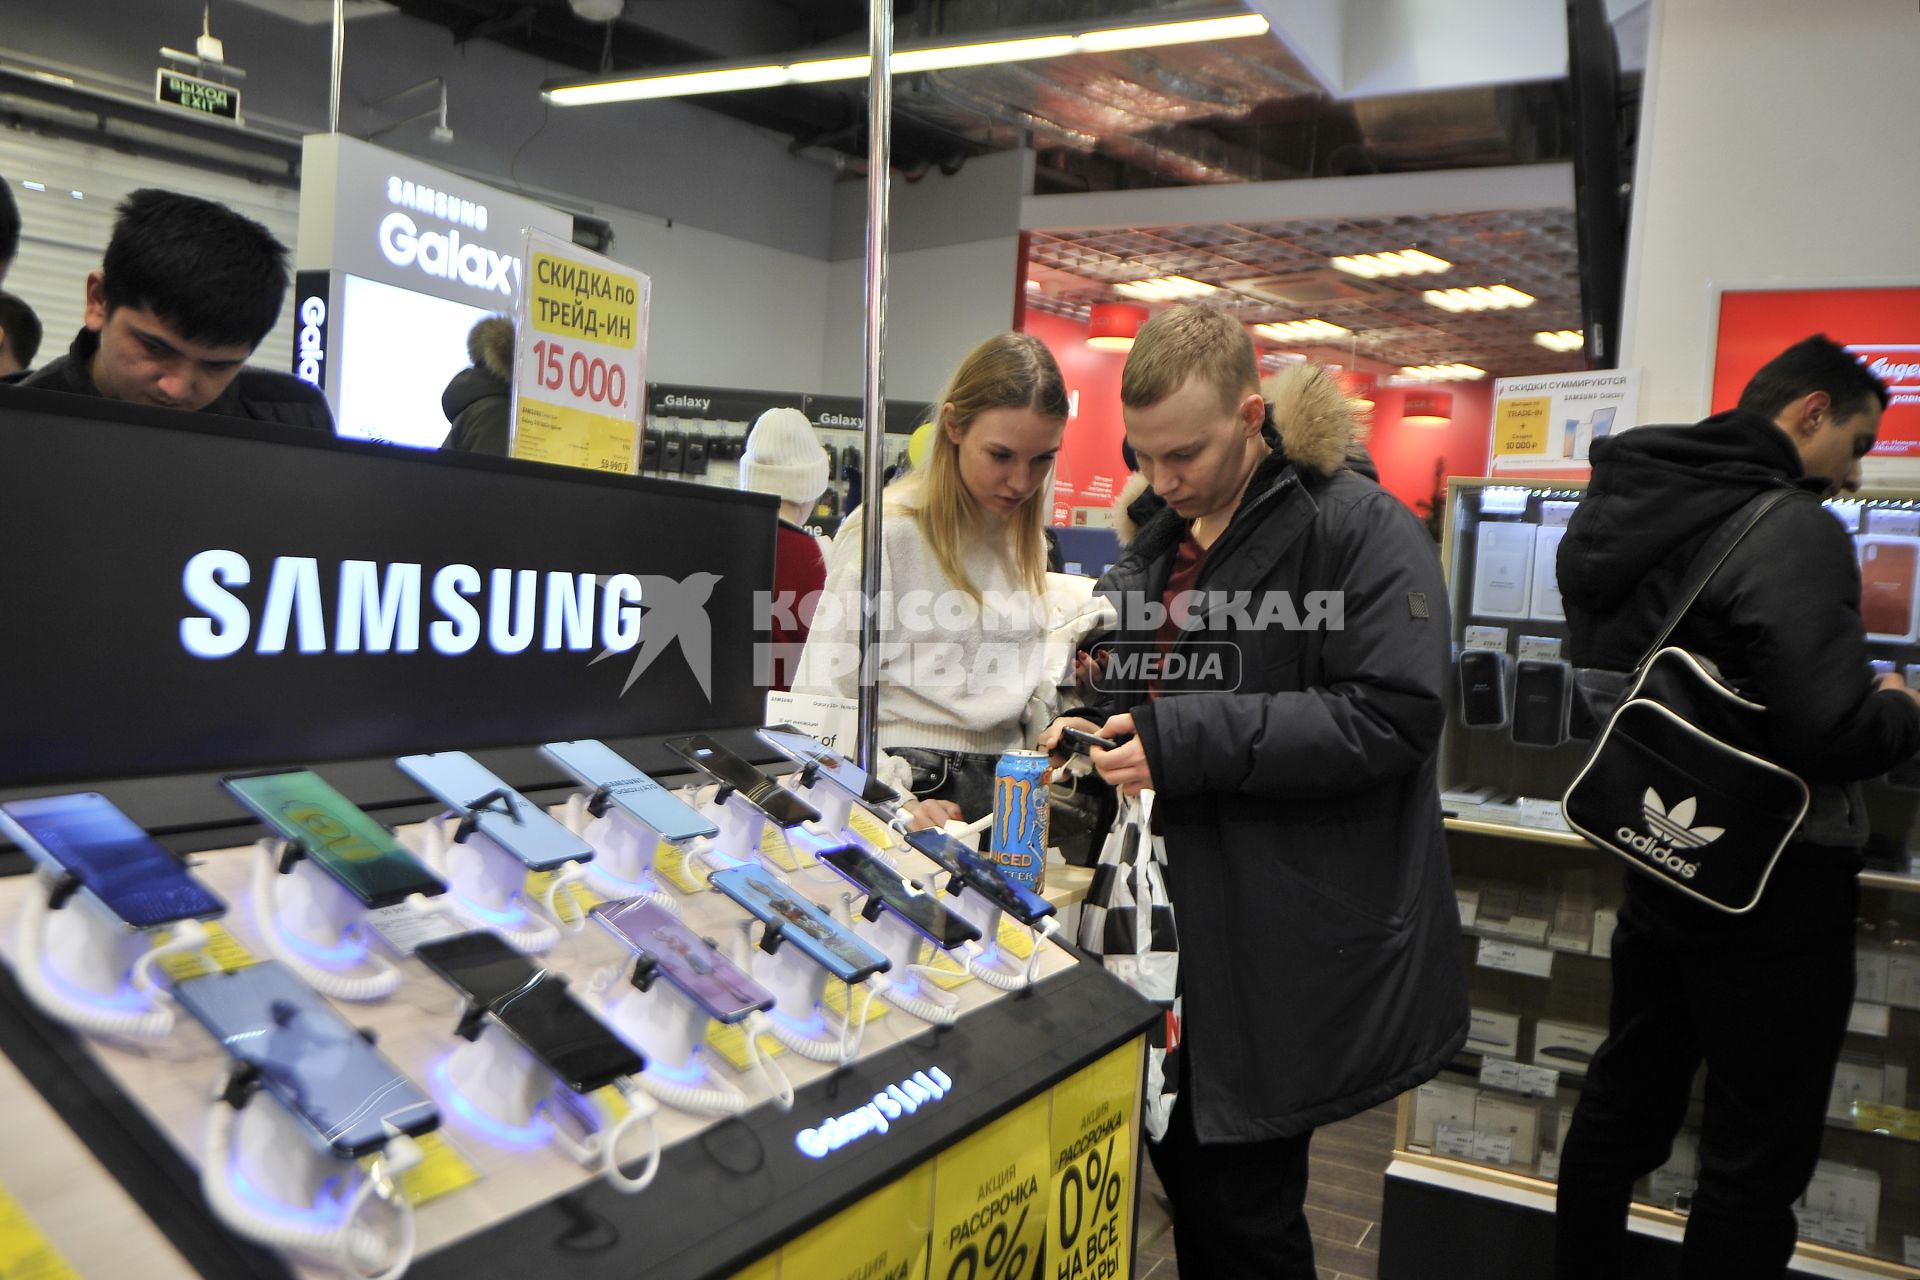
(201, 97)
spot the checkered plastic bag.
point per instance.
(1127, 921)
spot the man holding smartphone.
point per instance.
(1280, 663)
(1762, 998)
(187, 291)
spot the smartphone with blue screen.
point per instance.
(301, 806)
(308, 1057)
(535, 1008)
(894, 893)
(128, 871)
(806, 925)
(983, 875)
(599, 766)
(502, 814)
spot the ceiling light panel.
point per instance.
(1315, 330)
(1561, 339)
(1165, 289)
(1497, 297)
(1404, 262)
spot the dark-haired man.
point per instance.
(1761, 998)
(187, 290)
(19, 335)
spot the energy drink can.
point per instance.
(1020, 812)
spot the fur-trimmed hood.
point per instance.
(490, 346)
(1315, 420)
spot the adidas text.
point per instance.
(1653, 851)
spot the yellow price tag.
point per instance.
(1015, 939)
(26, 1254)
(730, 1042)
(571, 902)
(442, 1170)
(1521, 427)
(783, 852)
(223, 952)
(670, 863)
(871, 829)
(1879, 1117)
(945, 971)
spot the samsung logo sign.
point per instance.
(373, 608)
(446, 257)
(437, 204)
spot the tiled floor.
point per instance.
(1348, 1163)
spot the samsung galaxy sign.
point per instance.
(367, 607)
(443, 254)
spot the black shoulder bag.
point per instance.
(1678, 783)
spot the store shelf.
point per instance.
(1509, 831)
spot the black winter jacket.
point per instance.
(1321, 966)
(1781, 618)
(478, 401)
(257, 394)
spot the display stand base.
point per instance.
(835, 804)
(622, 866)
(741, 825)
(276, 1166)
(486, 888)
(903, 986)
(91, 954)
(668, 1029)
(498, 1089)
(798, 1019)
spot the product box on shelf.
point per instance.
(1842, 1205)
(1903, 977)
(1510, 1123)
(1497, 1035)
(1566, 1046)
(1856, 1078)
(1437, 1103)
(1870, 973)
(1604, 921)
(1672, 1183)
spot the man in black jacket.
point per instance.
(1762, 998)
(1320, 961)
(187, 290)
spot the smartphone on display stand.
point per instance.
(684, 958)
(596, 765)
(756, 788)
(839, 769)
(500, 813)
(308, 1057)
(983, 875)
(534, 1007)
(1483, 689)
(303, 808)
(882, 884)
(805, 924)
(125, 869)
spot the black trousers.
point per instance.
(1763, 1000)
(1237, 1207)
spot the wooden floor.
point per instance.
(1348, 1164)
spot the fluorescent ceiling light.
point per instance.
(1405, 262)
(1497, 297)
(1441, 373)
(1165, 289)
(1562, 340)
(734, 77)
(1300, 331)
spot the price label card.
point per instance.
(24, 1252)
(946, 972)
(1451, 1141)
(730, 1042)
(403, 927)
(840, 997)
(871, 829)
(442, 1170)
(223, 952)
(1015, 939)
(1882, 1117)
(580, 358)
(671, 863)
(783, 851)
(1520, 427)
(1514, 957)
(571, 902)
(1869, 1019)
(1493, 1148)
(1519, 1077)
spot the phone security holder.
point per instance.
(268, 1180)
(83, 966)
(834, 802)
(798, 1019)
(315, 927)
(670, 1031)
(904, 986)
(486, 885)
(741, 825)
(623, 849)
(508, 1097)
(987, 959)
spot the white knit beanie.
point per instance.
(784, 458)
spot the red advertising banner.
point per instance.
(1879, 325)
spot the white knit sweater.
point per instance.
(954, 673)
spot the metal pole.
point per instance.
(339, 63)
(879, 159)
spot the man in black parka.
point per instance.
(1762, 998)
(1321, 969)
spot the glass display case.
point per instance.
(1538, 903)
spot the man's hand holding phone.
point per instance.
(1124, 767)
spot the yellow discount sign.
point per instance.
(579, 358)
(1091, 1204)
(1520, 427)
(884, 1237)
(990, 1200)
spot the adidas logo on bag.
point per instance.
(1667, 830)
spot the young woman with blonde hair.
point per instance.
(963, 565)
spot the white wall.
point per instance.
(1779, 145)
